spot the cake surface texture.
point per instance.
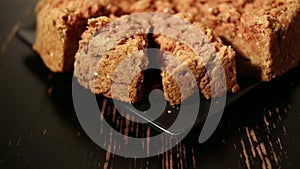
(265, 34)
(250, 38)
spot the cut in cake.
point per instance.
(101, 80)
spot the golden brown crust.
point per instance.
(59, 26)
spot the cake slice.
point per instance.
(214, 55)
(120, 65)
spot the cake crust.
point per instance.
(60, 24)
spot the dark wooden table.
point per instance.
(39, 128)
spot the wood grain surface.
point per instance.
(39, 128)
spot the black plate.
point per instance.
(27, 35)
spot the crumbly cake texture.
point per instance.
(264, 33)
(163, 6)
(97, 69)
(186, 58)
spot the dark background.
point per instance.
(39, 128)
